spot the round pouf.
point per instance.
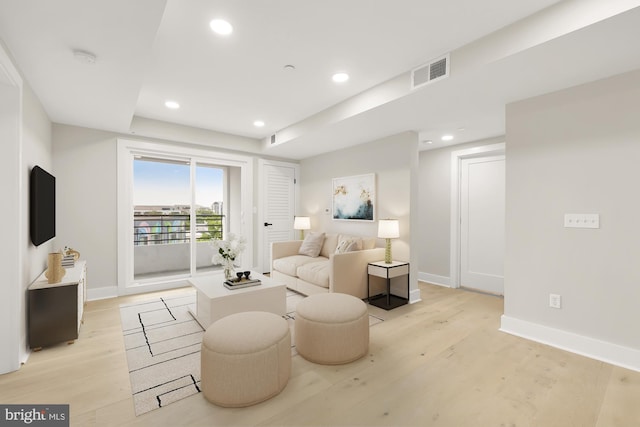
(245, 359)
(332, 328)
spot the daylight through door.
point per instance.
(178, 208)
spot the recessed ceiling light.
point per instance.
(340, 77)
(428, 141)
(258, 123)
(220, 26)
(447, 137)
(172, 105)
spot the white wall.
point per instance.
(575, 151)
(12, 293)
(26, 134)
(85, 164)
(394, 162)
(36, 150)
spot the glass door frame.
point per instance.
(193, 220)
(127, 150)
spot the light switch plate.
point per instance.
(555, 301)
(582, 220)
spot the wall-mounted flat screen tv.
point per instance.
(42, 206)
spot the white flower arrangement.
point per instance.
(226, 251)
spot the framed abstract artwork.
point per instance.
(354, 198)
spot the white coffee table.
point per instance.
(214, 301)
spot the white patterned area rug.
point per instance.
(162, 341)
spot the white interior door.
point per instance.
(278, 207)
(482, 193)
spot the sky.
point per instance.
(158, 183)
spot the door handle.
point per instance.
(266, 224)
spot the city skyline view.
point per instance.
(167, 183)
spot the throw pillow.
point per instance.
(346, 246)
(312, 244)
(356, 239)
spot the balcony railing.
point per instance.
(155, 229)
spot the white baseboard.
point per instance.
(604, 351)
(113, 291)
(102, 293)
(414, 296)
(435, 279)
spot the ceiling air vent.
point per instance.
(434, 70)
(273, 138)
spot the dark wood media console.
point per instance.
(55, 310)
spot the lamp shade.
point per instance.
(302, 223)
(388, 229)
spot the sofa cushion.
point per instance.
(329, 245)
(289, 265)
(312, 244)
(316, 273)
(369, 242)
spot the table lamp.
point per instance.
(388, 229)
(301, 223)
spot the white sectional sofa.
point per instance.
(344, 272)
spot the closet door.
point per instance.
(482, 208)
(278, 206)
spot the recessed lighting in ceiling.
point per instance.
(447, 137)
(428, 141)
(220, 26)
(340, 77)
(258, 123)
(172, 105)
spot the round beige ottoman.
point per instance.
(332, 328)
(245, 359)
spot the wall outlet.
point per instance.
(555, 301)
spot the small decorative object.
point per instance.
(226, 252)
(55, 271)
(388, 229)
(247, 274)
(69, 256)
(354, 197)
(301, 223)
(73, 252)
(239, 274)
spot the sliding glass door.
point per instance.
(178, 208)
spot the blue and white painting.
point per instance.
(354, 197)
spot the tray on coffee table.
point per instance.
(242, 283)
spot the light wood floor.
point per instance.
(440, 362)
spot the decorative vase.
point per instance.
(55, 271)
(229, 271)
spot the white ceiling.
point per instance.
(149, 51)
